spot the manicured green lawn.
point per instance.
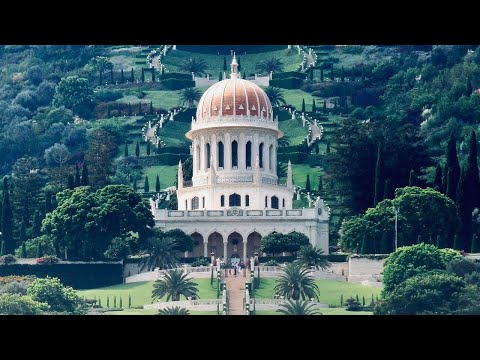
(173, 133)
(294, 97)
(326, 311)
(164, 99)
(330, 290)
(294, 130)
(140, 292)
(154, 312)
(167, 174)
(300, 172)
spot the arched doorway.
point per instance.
(253, 243)
(197, 245)
(234, 247)
(215, 244)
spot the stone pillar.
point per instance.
(213, 150)
(244, 250)
(203, 163)
(227, 152)
(195, 157)
(241, 152)
(225, 251)
(205, 248)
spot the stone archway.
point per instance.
(197, 245)
(253, 243)
(215, 244)
(234, 245)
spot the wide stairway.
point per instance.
(236, 293)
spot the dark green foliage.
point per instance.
(137, 149)
(327, 151)
(174, 284)
(224, 63)
(378, 178)
(122, 77)
(353, 304)
(2, 249)
(303, 105)
(176, 311)
(70, 182)
(452, 168)
(457, 243)
(22, 236)
(321, 74)
(317, 148)
(24, 250)
(296, 283)
(341, 300)
(307, 184)
(324, 106)
(108, 112)
(78, 181)
(7, 221)
(129, 301)
(314, 107)
(358, 300)
(100, 302)
(441, 241)
(135, 186)
(146, 186)
(157, 184)
(39, 250)
(387, 191)
(298, 308)
(462, 267)
(114, 301)
(312, 257)
(143, 75)
(132, 79)
(412, 180)
(363, 300)
(121, 303)
(48, 202)
(139, 108)
(125, 152)
(108, 302)
(148, 147)
(85, 179)
(437, 183)
(320, 183)
(220, 76)
(475, 245)
(367, 246)
(151, 107)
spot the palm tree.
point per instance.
(312, 256)
(197, 66)
(296, 283)
(283, 141)
(161, 253)
(298, 308)
(267, 65)
(275, 95)
(190, 95)
(177, 310)
(174, 283)
(281, 170)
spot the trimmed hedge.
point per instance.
(162, 159)
(294, 157)
(176, 76)
(76, 275)
(177, 84)
(288, 74)
(174, 150)
(186, 115)
(287, 83)
(289, 149)
(225, 49)
(331, 257)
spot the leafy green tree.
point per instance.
(197, 66)
(173, 284)
(118, 249)
(190, 95)
(70, 182)
(409, 261)
(161, 253)
(295, 282)
(437, 183)
(298, 308)
(307, 184)
(273, 243)
(412, 181)
(8, 241)
(177, 310)
(75, 94)
(101, 64)
(54, 293)
(137, 149)
(312, 256)
(183, 241)
(452, 168)
(275, 95)
(426, 293)
(85, 179)
(462, 267)
(294, 242)
(146, 187)
(378, 177)
(157, 184)
(78, 180)
(269, 65)
(99, 156)
(387, 189)
(15, 304)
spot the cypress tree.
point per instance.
(108, 302)
(363, 74)
(7, 221)
(129, 301)
(437, 183)
(314, 108)
(373, 301)
(24, 251)
(342, 74)
(453, 169)
(114, 301)
(366, 246)
(39, 250)
(137, 149)
(85, 180)
(143, 75)
(108, 112)
(220, 76)
(386, 189)
(475, 248)
(139, 108)
(310, 73)
(157, 184)
(129, 109)
(36, 224)
(441, 243)
(385, 244)
(153, 74)
(121, 303)
(99, 302)
(111, 75)
(317, 148)
(244, 75)
(358, 300)
(239, 64)
(48, 202)
(464, 211)
(135, 186)
(324, 106)
(328, 147)
(303, 106)
(363, 300)
(224, 63)
(70, 182)
(378, 177)
(122, 77)
(132, 78)
(148, 147)
(146, 187)
(163, 70)
(320, 183)
(331, 73)
(78, 181)
(321, 74)
(419, 239)
(341, 300)
(151, 107)
(126, 150)
(22, 236)
(457, 245)
(307, 184)
(412, 180)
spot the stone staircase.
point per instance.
(236, 293)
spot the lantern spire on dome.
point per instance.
(234, 67)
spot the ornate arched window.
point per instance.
(195, 203)
(222, 200)
(248, 154)
(247, 200)
(234, 153)
(260, 155)
(270, 154)
(220, 154)
(234, 200)
(274, 202)
(207, 154)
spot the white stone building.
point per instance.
(234, 198)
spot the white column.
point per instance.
(203, 164)
(255, 144)
(227, 149)
(214, 150)
(241, 152)
(244, 249)
(225, 251)
(195, 157)
(205, 247)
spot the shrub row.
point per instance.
(162, 159)
(288, 74)
(287, 83)
(177, 84)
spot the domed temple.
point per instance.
(234, 198)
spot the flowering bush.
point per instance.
(15, 278)
(47, 260)
(51, 291)
(7, 259)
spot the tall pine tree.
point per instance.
(7, 221)
(78, 181)
(85, 180)
(378, 177)
(303, 106)
(125, 153)
(452, 168)
(36, 224)
(307, 184)
(437, 183)
(146, 187)
(412, 180)
(137, 149)
(314, 107)
(70, 182)
(157, 184)
(148, 147)
(387, 189)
